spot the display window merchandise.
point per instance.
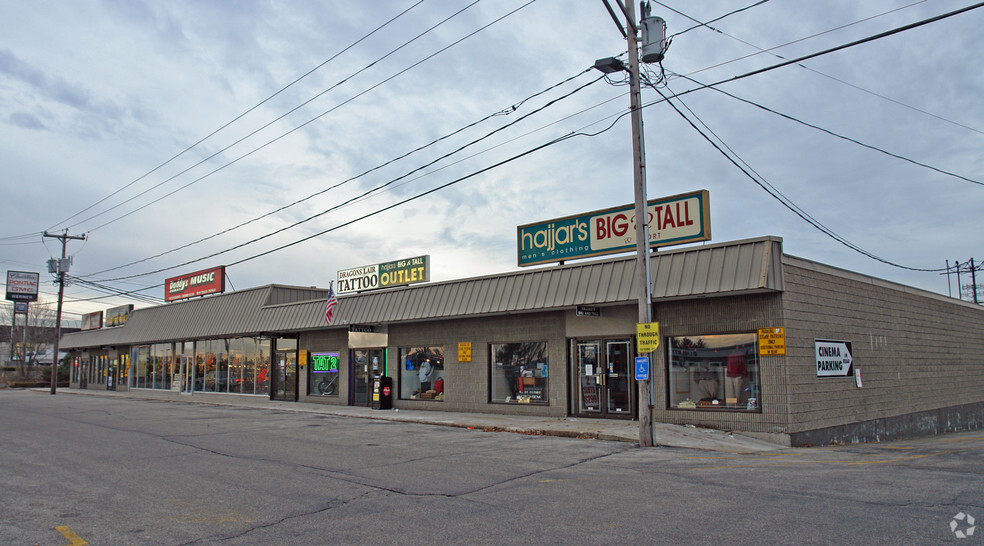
(519, 373)
(422, 373)
(714, 372)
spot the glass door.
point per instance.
(589, 378)
(604, 381)
(618, 382)
(285, 374)
(365, 365)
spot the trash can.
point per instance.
(382, 392)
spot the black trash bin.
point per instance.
(382, 392)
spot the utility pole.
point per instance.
(653, 45)
(642, 217)
(973, 279)
(63, 267)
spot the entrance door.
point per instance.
(604, 384)
(366, 364)
(285, 376)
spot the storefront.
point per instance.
(560, 341)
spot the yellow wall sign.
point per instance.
(647, 337)
(302, 357)
(464, 351)
(772, 341)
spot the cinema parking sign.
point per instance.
(834, 358)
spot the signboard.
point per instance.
(642, 368)
(199, 283)
(20, 307)
(92, 321)
(384, 275)
(324, 362)
(587, 311)
(464, 351)
(647, 337)
(673, 220)
(22, 286)
(116, 316)
(834, 358)
(772, 341)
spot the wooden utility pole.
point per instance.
(62, 270)
(642, 224)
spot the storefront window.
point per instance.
(519, 373)
(422, 373)
(719, 372)
(162, 358)
(323, 380)
(141, 356)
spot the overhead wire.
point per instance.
(371, 190)
(282, 116)
(840, 136)
(511, 109)
(773, 192)
(771, 50)
(741, 76)
(245, 113)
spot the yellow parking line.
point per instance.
(75, 539)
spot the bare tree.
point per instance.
(30, 339)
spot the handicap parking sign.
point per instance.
(642, 368)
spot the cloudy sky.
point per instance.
(182, 135)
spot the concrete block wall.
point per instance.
(724, 315)
(466, 384)
(917, 353)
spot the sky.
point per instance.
(183, 135)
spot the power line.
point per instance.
(511, 109)
(819, 73)
(366, 193)
(716, 19)
(251, 109)
(268, 124)
(775, 194)
(837, 135)
(755, 72)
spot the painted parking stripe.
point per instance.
(72, 537)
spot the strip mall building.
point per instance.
(752, 340)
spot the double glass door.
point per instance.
(604, 381)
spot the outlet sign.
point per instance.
(672, 220)
(384, 275)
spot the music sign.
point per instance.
(199, 283)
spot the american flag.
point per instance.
(330, 306)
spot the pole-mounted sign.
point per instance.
(22, 286)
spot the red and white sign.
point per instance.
(22, 286)
(92, 321)
(199, 283)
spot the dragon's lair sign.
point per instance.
(675, 220)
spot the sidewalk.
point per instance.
(570, 427)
